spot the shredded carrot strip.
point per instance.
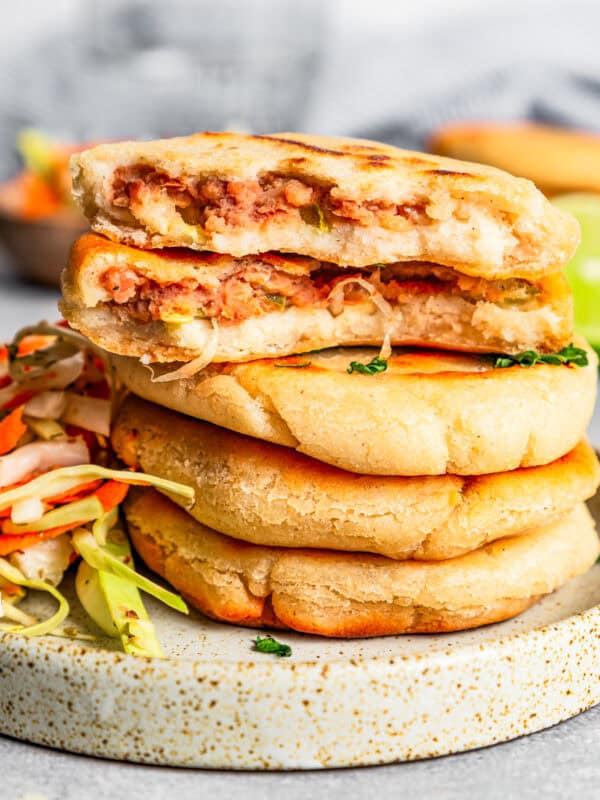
(9, 543)
(29, 344)
(12, 428)
(112, 494)
(76, 493)
(18, 400)
(11, 589)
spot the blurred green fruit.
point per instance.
(583, 271)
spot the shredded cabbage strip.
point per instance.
(78, 511)
(61, 480)
(189, 369)
(97, 557)
(14, 575)
(337, 293)
(44, 379)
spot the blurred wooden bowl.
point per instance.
(39, 248)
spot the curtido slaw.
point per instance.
(60, 495)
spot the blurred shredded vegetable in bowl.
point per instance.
(43, 187)
(38, 217)
(60, 492)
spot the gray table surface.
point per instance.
(561, 762)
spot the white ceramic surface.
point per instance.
(215, 702)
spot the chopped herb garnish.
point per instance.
(528, 358)
(277, 300)
(313, 215)
(267, 644)
(374, 366)
(301, 365)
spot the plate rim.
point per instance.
(65, 647)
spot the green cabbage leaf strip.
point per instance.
(113, 602)
(63, 479)
(14, 575)
(101, 558)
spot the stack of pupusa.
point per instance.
(413, 490)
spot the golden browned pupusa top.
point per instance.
(350, 202)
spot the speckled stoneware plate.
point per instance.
(216, 703)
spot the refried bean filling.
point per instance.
(217, 204)
(255, 285)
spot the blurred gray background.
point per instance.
(90, 69)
